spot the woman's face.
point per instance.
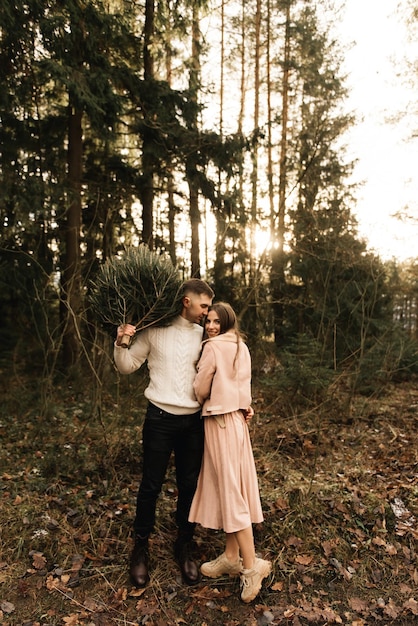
(212, 324)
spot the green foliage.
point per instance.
(341, 294)
(28, 298)
(156, 139)
(141, 287)
(83, 47)
(391, 358)
(301, 378)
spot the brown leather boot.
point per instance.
(138, 568)
(183, 551)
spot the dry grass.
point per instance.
(333, 485)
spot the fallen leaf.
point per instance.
(341, 507)
(304, 559)
(77, 562)
(38, 560)
(390, 549)
(289, 612)
(399, 509)
(121, 594)
(71, 620)
(357, 604)
(341, 569)
(281, 504)
(136, 593)
(411, 605)
(277, 586)
(405, 589)
(52, 584)
(91, 605)
(378, 541)
(296, 542)
(7, 607)
(327, 547)
(308, 445)
(331, 616)
(391, 609)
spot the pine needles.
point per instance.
(142, 288)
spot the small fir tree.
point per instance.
(141, 287)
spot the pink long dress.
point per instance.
(227, 495)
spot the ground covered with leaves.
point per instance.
(339, 486)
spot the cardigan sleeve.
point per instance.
(205, 372)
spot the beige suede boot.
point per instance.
(220, 566)
(251, 579)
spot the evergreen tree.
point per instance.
(337, 291)
(70, 67)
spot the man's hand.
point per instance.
(122, 332)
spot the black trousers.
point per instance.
(164, 433)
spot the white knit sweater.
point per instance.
(171, 353)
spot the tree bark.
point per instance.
(147, 194)
(194, 212)
(278, 281)
(170, 169)
(254, 173)
(71, 276)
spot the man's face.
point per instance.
(195, 307)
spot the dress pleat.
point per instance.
(227, 495)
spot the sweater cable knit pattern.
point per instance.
(167, 351)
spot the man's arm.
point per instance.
(130, 359)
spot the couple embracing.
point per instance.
(199, 398)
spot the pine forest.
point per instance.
(210, 138)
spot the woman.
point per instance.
(227, 494)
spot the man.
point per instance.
(172, 423)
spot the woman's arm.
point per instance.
(205, 373)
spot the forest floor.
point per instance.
(339, 488)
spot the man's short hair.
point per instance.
(197, 286)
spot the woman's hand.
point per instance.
(123, 330)
(248, 413)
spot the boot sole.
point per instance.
(213, 576)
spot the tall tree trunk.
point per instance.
(278, 280)
(254, 173)
(147, 194)
(170, 169)
(270, 181)
(219, 262)
(222, 70)
(240, 126)
(243, 71)
(172, 249)
(192, 164)
(71, 276)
